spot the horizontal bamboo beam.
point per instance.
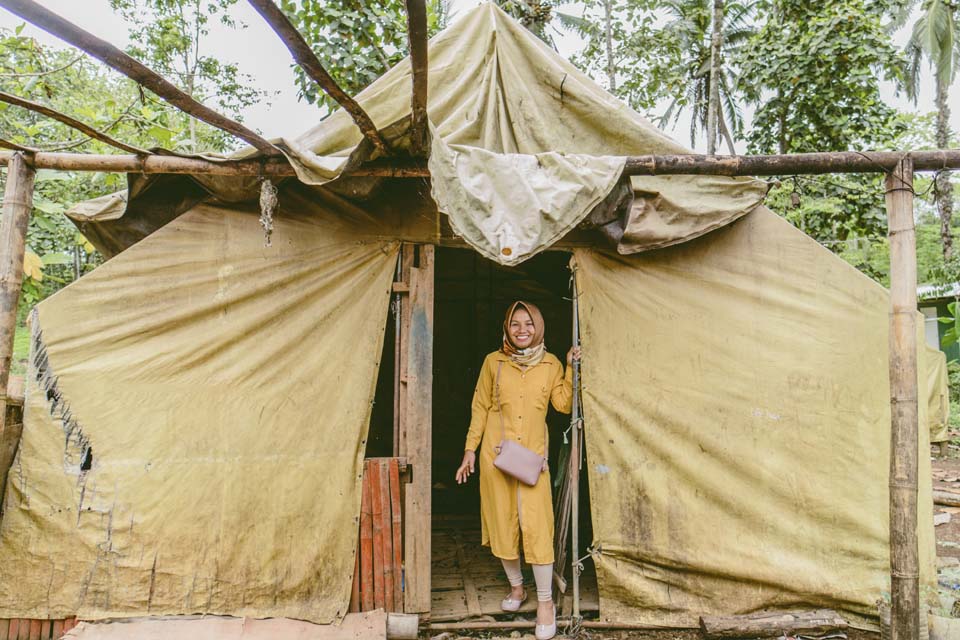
(70, 122)
(791, 164)
(133, 69)
(308, 61)
(794, 164)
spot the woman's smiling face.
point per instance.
(521, 328)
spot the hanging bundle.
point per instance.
(268, 204)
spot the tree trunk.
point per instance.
(713, 106)
(943, 187)
(608, 29)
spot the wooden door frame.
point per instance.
(415, 418)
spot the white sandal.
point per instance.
(547, 631)
(511, 604)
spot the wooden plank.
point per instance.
(4, 626)
(141, 74)
(386, 525)
(56, 629)
(397, 517)
(23, 633)
(469, 588)
(408, 252)
(35, 626)
(418, 430)
(45, 629)
(69, 623)
(366, 547)
(13, 629)
(373, 479)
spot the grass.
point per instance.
(21, 351)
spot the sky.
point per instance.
(259, 53)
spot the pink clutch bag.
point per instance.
(515, 459)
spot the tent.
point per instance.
(198, 408)
(938, 393)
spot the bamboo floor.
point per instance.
(468, 581)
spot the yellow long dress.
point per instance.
(507, 506)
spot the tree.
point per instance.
(670, 61)
(168, 36)
(936, 38)
(356, 41)
(813, 70)
(72, 84)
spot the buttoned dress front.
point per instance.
(509, 507)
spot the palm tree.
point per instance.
(691, 24)
(936, 38)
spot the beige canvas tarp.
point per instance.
(220, 392)
(524, 147)
(737, 419)
(934, 364)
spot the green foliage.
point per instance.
(813, 70)
(935, 37)
(951, 335)
(356, 41)
(670, 43)
(168, 36)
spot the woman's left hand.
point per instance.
(573, 354)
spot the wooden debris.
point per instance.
(772, 625)
(946, 498)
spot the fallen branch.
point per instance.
(70, 122)
(771, 625)
(133, 69)
(946, 499)
(304, 56)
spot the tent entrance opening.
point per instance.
(471, 297)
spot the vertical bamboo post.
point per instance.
(17, 203)
(904, 456)
(575, 457)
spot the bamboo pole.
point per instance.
(529, 624)
(575, 456)
(904, 562)
(17, 203)
(70, 122)
(133, 69)
(308, 61)
(417, 34)
(689, 164)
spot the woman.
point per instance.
(516, 383)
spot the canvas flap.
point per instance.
(220, 392)
(528, 144)
(737, 419)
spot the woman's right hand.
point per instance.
(467, 466)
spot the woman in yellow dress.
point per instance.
(526, 378)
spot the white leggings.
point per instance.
(542, 573)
